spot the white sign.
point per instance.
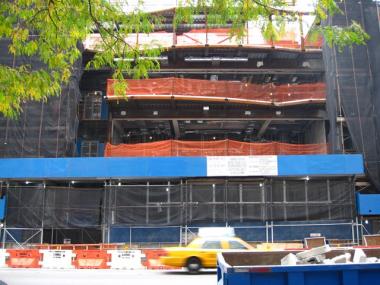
(263, 165)
(57, 259)
(125, 259)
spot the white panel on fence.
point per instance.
(57, 259)
(3, 256)
(125, 259)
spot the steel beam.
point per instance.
(177, 132)
(286, 71)
(263, 128)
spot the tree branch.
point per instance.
(51, 2)
(101, 27)
(274, 10)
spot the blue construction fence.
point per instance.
(252, 232)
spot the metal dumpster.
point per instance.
(264, 268)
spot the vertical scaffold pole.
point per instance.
(357, 230)
(272, 231)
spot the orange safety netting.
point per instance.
(206, 90)
(210, 148)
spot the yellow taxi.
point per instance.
(201, 252)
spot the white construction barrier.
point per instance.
(3, 258)
(57, 259)
(126, 259)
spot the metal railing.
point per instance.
(268, 232)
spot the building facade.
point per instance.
(228, 132)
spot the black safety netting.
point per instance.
(43, 129)
(353, 80)
(30, 207)
(230, 202)
(181, 203)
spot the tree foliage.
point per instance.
(50, 31)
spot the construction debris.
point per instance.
(318, 256)
(344, 258)
(359, 256)
(290, 259)
(312, 253)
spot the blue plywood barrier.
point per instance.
(251, 234)
(368, 204)
(286, 231)
(102, 168)
(146, 235)
(14, 234)
(155, 167)
(282, 231)
(300, 165)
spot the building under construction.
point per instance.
(274, 138)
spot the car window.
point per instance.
(236, 245)
(212, 244)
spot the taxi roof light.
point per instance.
(216, 232)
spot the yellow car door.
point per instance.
(209, 250)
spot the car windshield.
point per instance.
(237, 245)
(212, 244)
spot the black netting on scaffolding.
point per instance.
(230, 202)
(144, 204)
(180, 204)
(72, 207)
(353, 80)
(43, 129)
(31, 207)
(25, 207)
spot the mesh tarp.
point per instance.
(43, 129)
(30, 207)
(230, 202)
(353, 79)
(211, 148)
(198, 201)
(206, 90)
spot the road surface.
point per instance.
(18, 276)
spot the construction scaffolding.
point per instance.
(228, 201)
(296, 37)
(353, 81)
(39, 213)
(95, 211)
(46, 128)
